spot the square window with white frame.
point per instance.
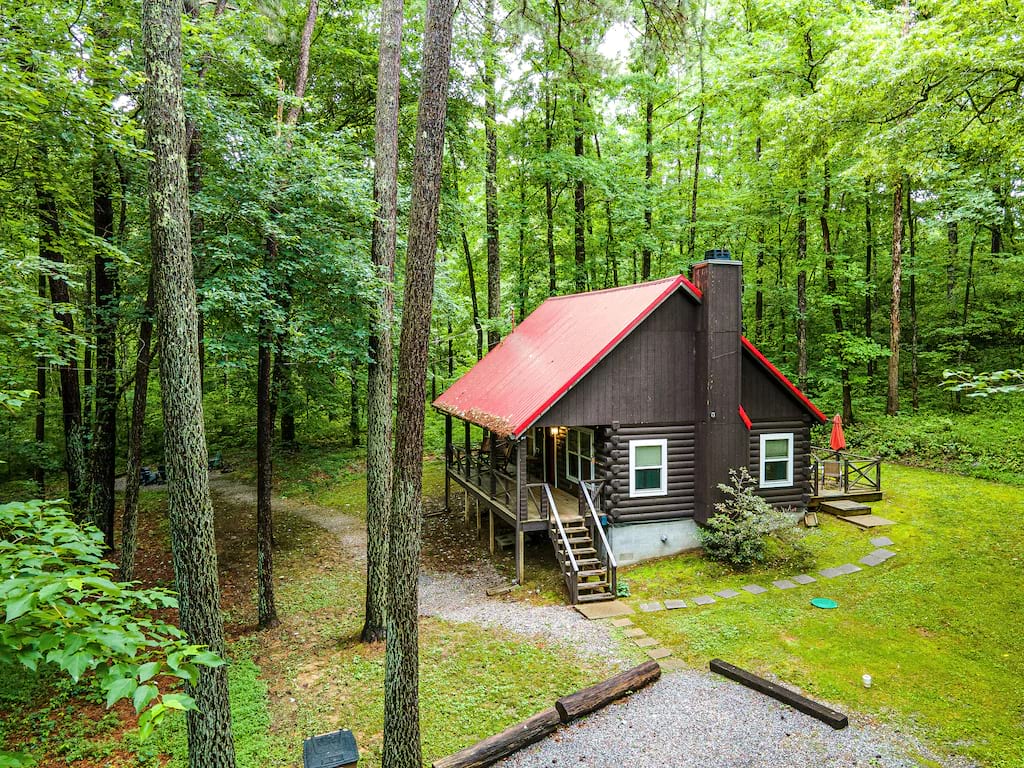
(648, 467)
(776, 460)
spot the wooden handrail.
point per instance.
(597, 523)
(561, 530)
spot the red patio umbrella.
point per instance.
(838, 440)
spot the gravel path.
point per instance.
(691, 718)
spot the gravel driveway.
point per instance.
(691, 718)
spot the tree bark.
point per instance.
(833, 292)
(379, 430)
(645, 258)
(911, 226)
(302, 70)
(549, 206)
(470, 272)
(491, 181)
(70, 389)
(39, 470)
(401, 677)
(104, 440)
(353, 403)
(691, 246)
(194, 547)
(869, 292)
(266, 604)
(579, 203)
(892, 400)
(143, 359)
(953, 242)
(801, 288)
(759, 292)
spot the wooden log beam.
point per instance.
(583, 702)
(800, 703)
(503, 744)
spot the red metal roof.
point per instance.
(552, 349)
(556, 346)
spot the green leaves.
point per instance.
(62, 607)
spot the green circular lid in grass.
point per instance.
(824, 602)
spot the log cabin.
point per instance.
(606, 420)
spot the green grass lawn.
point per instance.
(938, 627)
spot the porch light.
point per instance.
(554, 431)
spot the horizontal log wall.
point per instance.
(798, 494)
(613, 467)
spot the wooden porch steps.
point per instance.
(592, 577)
(844, 507)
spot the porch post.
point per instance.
(520, 508)
(493, 464)
(447, 462)
(469, 459)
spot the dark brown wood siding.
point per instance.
(613, 467)
(646, 379)
(798, 494)
(763, 397)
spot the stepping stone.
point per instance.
(645, 642)
(885, 554)
(848, 568)
(803, 578)
(635, 632)
(651, 607)
(872, 560)
(881, 541)
(604, 610)
(622, 622)
(868, 521)
(674, 604)
(754, 589)
(672, 665)
(784, 584)
(704, 600)
(831, 573)
(727, 593)
(659, 653)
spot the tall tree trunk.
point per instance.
(39, 470)
(491, 181)
(266, 604)
(869, 275)
(143, 359)
(302, 69)
(104, 440)
(691, 245)
(833, 292)
(191, 512)
(801, 288)
(523, 279)
(911, 226)
(892, 400)
(70, 389)
(401, 677)
(610, 247)
(470, 272)
(549, 206)
(379, 430)
(87, 367)
(645, 258)
(353, 403)
(579, 202)
(759, 293)
(953, 241)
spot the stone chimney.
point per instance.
(722, 439)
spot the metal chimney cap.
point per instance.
(717, 254)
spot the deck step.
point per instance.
(602, 572)
(845, 507)
(599, 597)
(591, 586)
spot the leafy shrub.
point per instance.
(738, 534)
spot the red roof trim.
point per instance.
(745, 419)
(794, 390)
(673, 286)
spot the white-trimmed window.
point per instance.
(777, 460)
(579, 454)
(648, 467)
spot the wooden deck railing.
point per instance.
(556, 531)
(475, 467)
(842, 472)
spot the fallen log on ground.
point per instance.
(589, 699)
(801, 703)
(503, 744)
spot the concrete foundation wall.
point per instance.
(633, 542)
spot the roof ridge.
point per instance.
(614, 288)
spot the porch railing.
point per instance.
(475, 467)
(841, 472)
(590, 490)
(556, 531)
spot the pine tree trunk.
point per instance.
(143, 359)
(491, 181)
(691, 246)
(193, 544)
(266, 604)
(892, 400)
(104, 440)
(801, 288)
(401, 679)
(759, 293)
(911, 227)
(379, 429)
(869, 292)
(645, 258)
(549, 205)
